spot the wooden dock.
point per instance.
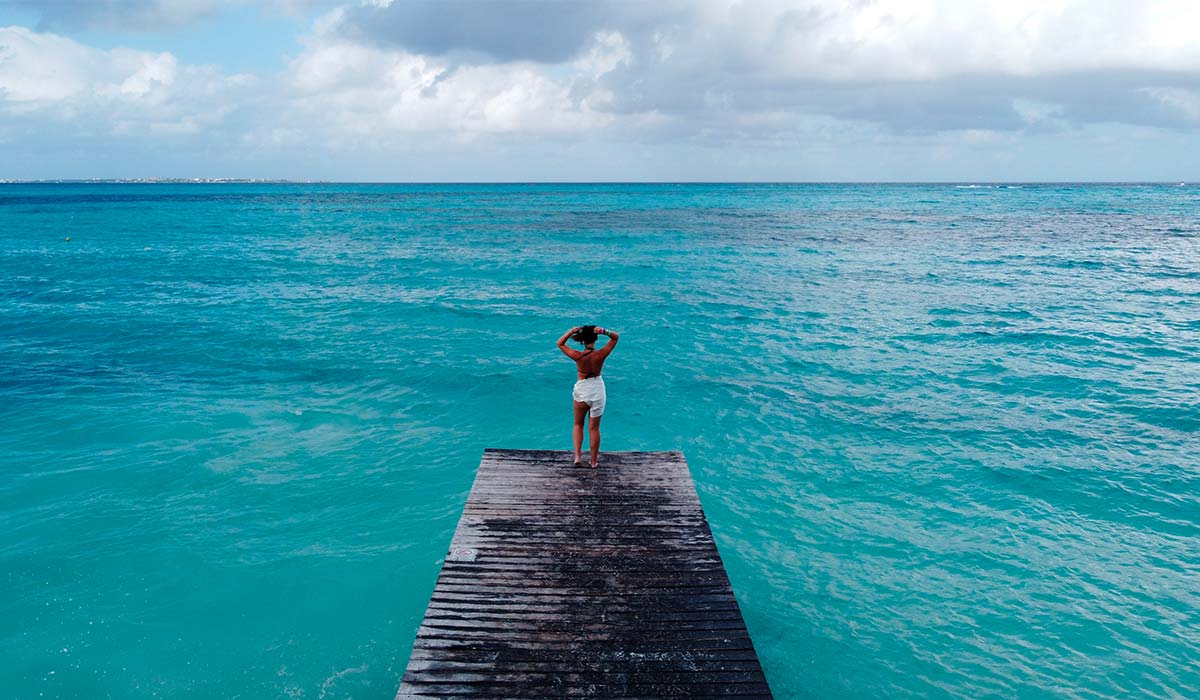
(571, 582)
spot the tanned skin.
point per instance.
(587, 364)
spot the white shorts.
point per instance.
(591, 392)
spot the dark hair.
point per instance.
(586, 335)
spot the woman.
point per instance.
(589, 389)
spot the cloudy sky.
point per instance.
(432, 90)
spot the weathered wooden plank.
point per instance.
(429, 666)
(567, 689)
(588, 543)
(582, 569)
(480, 604)
(608, 581)
(682, 600)
(573, 582)
(598, 655)
(583, 652)
(619, 617)
(529, 677)
(615, 580)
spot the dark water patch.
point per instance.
(1183, 419)
(945, 323)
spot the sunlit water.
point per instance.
(946, 437)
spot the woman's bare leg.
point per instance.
(594, 439)
(581, 411)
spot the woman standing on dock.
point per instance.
(589, 393)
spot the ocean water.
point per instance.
(946, 437)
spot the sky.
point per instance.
(603, 90)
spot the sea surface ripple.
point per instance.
(946, 437)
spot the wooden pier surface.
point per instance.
(564, 581)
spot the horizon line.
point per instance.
(287, 181)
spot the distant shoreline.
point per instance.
(164, 181)
(270, 181)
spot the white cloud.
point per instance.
(811, 39)
(45, 67)
(1182, 101)
(929, 39)
(1039, 114)
(609, 50)
(52, 77)
(344, 87)
(931, 65)
(470, 76)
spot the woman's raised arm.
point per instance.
(562, 344)
(613, 337)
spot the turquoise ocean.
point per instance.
(947, 437)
